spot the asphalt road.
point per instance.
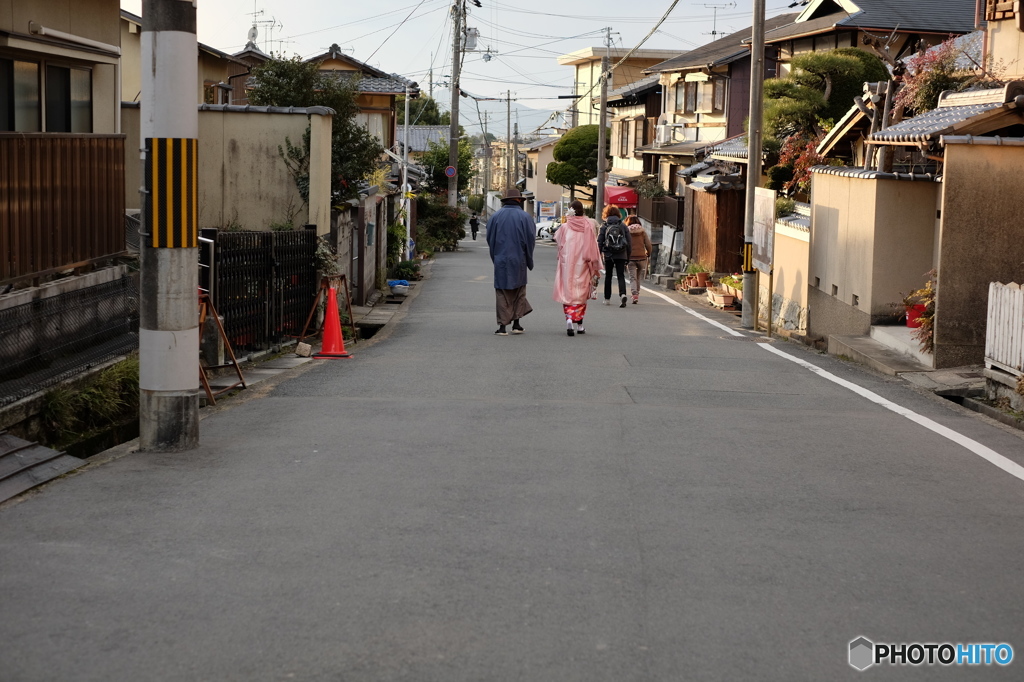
(656, 500)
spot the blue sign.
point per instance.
(450, 171)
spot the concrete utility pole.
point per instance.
(508, 139)
(487, 164)
(602, 128)
(458, 16)
(515, 152)
(169, 305)
(753, 161)
(412, 90)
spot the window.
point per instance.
(68, 100)
(680, 96)
(638, 134)
(625, 145)
(691, 97)
(719, 96)
(19, 87)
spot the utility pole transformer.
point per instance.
(748, 320)
(169, 304)
(458, 16)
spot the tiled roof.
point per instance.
(940, 16)
(537, 144)
(734, 147)
(800, 219)
(252, 109)
(862, 174)
(909, 16)
(955, 113)
(420, 136)
(392, 85)
(677, 149)
(634, 88)
(720, 51)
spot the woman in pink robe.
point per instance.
(579, 262)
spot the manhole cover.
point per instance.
(754, 339)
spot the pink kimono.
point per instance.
(579, 261)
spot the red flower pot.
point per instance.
(914, 313)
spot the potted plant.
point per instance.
(719, 297)
(701, 272)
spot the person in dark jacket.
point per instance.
(615, 246)
(474, 225)
(510, 240)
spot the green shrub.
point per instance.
(408, 270)
(784, 206)
(438, 224)
(396, 243)
(778, 176)
(109, 398)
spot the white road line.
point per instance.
(693, 312)
(983, 451)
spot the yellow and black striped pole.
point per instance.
(168, 310)
(172, 210)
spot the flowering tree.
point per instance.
(933, 71)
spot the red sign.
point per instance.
(450, 171)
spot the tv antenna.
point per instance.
(269, 24)
(714, 17)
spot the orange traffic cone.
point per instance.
(334, 342)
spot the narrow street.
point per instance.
(656, 500)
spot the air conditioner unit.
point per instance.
(663, 135)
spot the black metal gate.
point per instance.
(262, 283)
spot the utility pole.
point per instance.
(169, 304)
(602, 130)
(515, 152)
(487, 165)
(458, 16)
(753, 161)
(412, 91)
(508, 139)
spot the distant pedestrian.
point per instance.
(640, 251)
(474, 225)
(579, 265)
(615, 245)
(510, 240)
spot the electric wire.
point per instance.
(391, 35)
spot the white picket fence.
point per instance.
(1004, 335)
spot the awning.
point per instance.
(624, 197)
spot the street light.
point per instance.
(412, 91)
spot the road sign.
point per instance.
(450, 171)
(764, 229)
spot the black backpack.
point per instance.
(614, 239)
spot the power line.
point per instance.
(395, 31)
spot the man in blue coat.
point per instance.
(510, 240)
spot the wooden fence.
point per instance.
(1004, 333)
(61, 201)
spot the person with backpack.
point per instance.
(616, 248)
(640, 251)
(474, 225)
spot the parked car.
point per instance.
(546, 229)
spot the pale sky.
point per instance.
(527, 36)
